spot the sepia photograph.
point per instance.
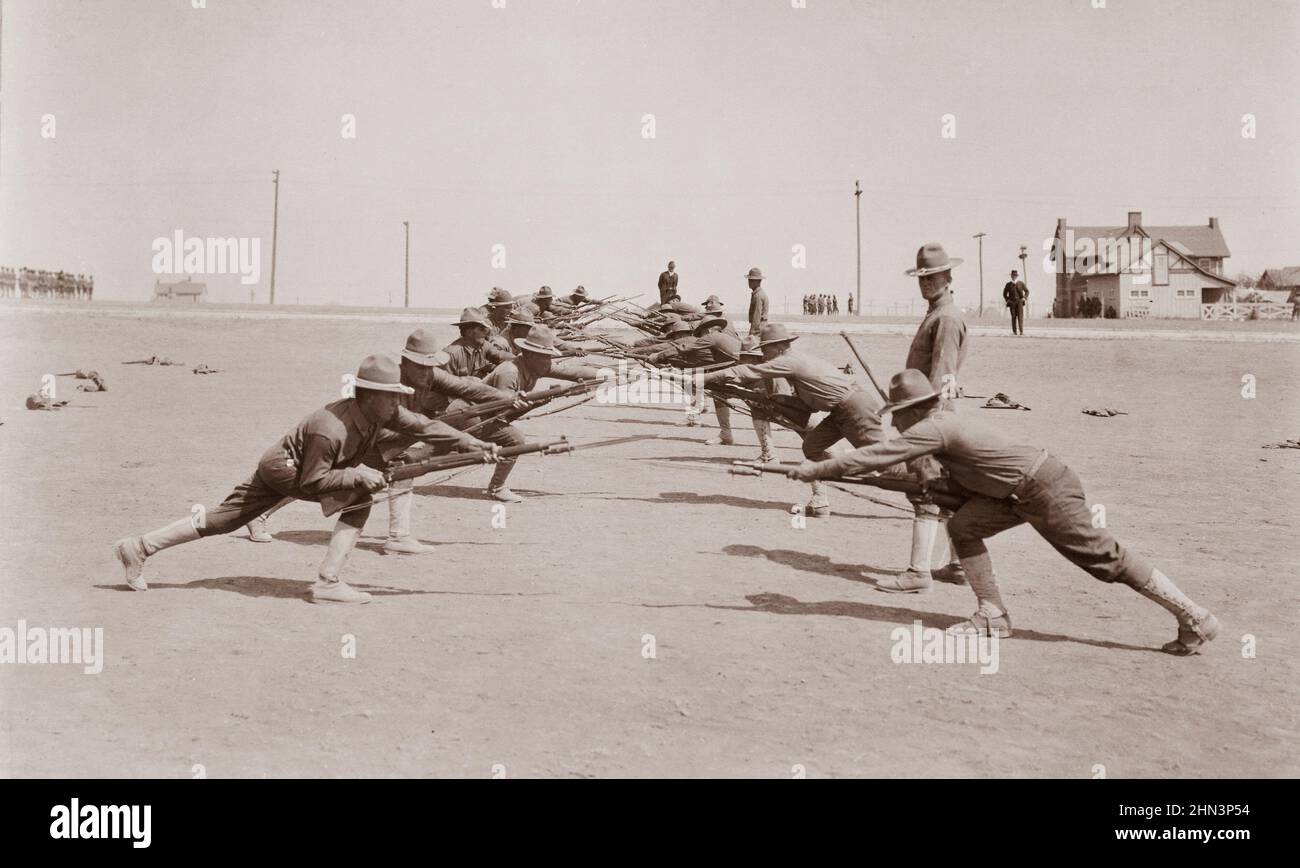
(690, 389)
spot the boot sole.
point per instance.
(885, 590)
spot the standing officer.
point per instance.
(854, 414)
(757, 301)
(1011, 484)
(937, 350)
(1016, 295)
(668, 283)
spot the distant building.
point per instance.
(1141, 271)
(180, 290)
(1281, 280)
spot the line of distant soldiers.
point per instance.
(34, 283)
(820, 304)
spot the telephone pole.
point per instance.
(857, 208)
(980, 239)
(275, 226)
(407, 224)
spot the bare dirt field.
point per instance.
(518, 651)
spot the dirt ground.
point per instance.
(518, 651)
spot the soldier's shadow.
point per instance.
(691, 498)
(262, 586)
(366, 543)
(819, 564)
(780, 604)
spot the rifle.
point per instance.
(938, 491)
(848, 340)
(785, 410)
(537, 397)
(333, 502)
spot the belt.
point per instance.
(1029, 474)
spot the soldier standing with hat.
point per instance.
(322, 454)
(937, 350)
(668, 284)
(1016, 295)
(1011, 484)
(757, 301)
(854, 414)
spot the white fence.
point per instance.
(1237, 310)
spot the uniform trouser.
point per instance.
(503, 434)
(1053, 503)
(271, 482)
(763, 430)
(1017, 319)
(854, 419)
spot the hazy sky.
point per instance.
(523, 127)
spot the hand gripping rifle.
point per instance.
(333, 502)
(937, 492)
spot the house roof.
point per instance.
(1196, 240)
(1289, 276)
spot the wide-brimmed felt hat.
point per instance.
(709, 321)
(422, 349)
(544, 292)
(713, 299)
(474, 316)
(580, 292)
(907, 388)
(381, 374)
(932, 259)
(679, 327)
(498, 297)
(774, 333)
(521, 316)
(749, 347)
(754, 274)
(540, 339)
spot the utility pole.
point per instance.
(1024, 272)
(980, 238)
(407, 224)
(857, 208)
(275, 226)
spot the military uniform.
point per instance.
(667, 286)
(939, 347)
(1012, 484)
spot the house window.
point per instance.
(1139, 293)
(1185, 293)
(1161, 275)
(1205, 265)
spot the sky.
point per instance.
(516, 137)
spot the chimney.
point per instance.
(1060, 226)
(1134, 220)
(1214, 222)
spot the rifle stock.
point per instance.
(333, 502)
(938, 492)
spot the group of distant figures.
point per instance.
(822, 304)
(34, 283)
